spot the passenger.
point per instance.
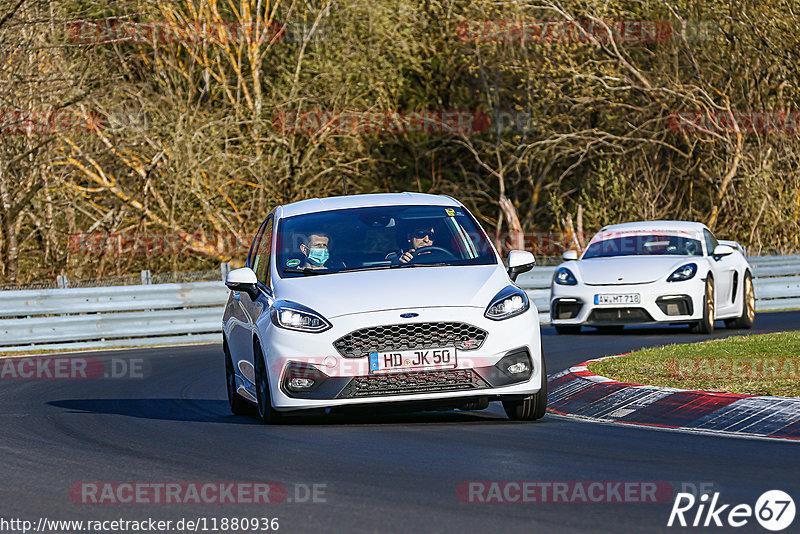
(315, 251)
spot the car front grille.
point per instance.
(619, 316)
(419, 382)
(410, 336)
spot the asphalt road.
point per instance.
(387, 473)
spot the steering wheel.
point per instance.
(427, 251)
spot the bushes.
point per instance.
(188, 142)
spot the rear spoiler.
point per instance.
(733, 244)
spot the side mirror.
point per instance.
(519, 261)
(243, 279)
(722, 250)
(570, 255)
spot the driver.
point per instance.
(418, 237)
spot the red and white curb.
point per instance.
(579, 392)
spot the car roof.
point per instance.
(314, 205)
(674, 226)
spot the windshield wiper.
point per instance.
(372, 268)
(391, 266)
(306, 271)
(310, 272)
(437, 264)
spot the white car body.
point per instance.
(356, 300)
(606, 289)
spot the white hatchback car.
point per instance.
(653, 272)
(368, 299)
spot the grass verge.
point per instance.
(764, 364)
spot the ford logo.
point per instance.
(409, 315)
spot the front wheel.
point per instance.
(266, 412)
(531, 407)
(748, 316)
(706, 325)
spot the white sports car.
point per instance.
(368, 299)
(653, 272)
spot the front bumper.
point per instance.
(342, 381)
(660, 302)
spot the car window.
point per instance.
(251, 254)
(711, 241)
(378, 237)
(642, 244)
(261, 259)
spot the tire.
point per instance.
(237, 403)
(531, 407)
(568, 329)
(748, 316)
(266, 412)
(706, 325)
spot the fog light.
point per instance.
(517, 368)
(301, 383)
(516, 365)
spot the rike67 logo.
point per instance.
(774, 510)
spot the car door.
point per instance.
(240, 334)
(723, 268)
(259, 262)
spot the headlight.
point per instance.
(510, 302)
(684, 272)
(564, 277)
(293, 316)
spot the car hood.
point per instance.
(628, 269)
(334, 295)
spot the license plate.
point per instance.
(616, 300)
(412, 360)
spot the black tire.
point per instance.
(748, 316)
(532, 407)
(568, 329)
(237, 403)
(610, 329)
(266, 412)
(706, 325)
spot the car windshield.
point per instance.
(644, 245)
(383, 237)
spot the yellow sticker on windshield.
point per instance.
(450, 212)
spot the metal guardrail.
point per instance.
(125, 316)
(97, 317)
